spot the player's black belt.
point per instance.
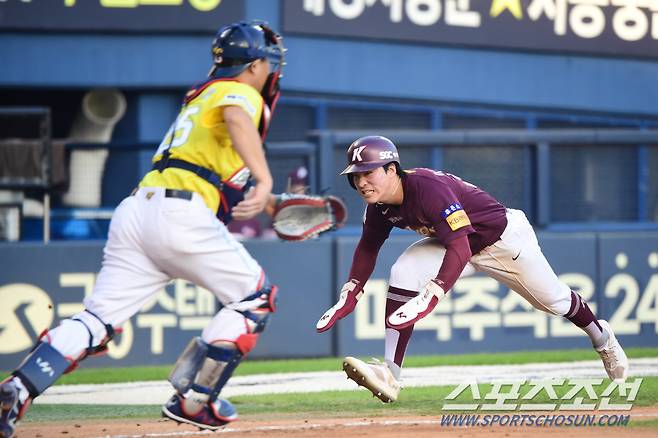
(180, 194)
(201, 171)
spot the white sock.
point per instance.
(395, 369)
(598, 337)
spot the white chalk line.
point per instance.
(157, 392)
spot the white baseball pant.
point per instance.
(152, 240)
(516, 260)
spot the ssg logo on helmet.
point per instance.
(386, 155)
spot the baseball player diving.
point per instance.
(465, 231)
(209, 168)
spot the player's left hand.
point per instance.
(349, 296)
(418, 307)
(255, 201)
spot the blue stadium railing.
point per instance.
(440, 120)
(540, 141)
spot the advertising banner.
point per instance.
(43, 284)
(119, 15)
(481, 315)
(602, 27)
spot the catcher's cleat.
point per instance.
(11, 408)
(212, 416)
(613, 356)
(374, 376)
(417, 308)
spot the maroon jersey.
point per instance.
(439, 205)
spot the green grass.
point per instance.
(414, 401)
(249, 367)
(427, 401)
(644, 423)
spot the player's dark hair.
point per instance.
(401, 173)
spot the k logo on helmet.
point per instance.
(356, 156)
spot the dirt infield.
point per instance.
(426, 426)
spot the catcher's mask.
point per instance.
(368, 153)
(237, 45)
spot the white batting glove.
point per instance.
(418, 307)
(349, 296)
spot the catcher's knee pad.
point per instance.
(98, 335)
(256, 309)
(82, 335)
(202, 370)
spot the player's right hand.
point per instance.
(349, 296)
(255, 201)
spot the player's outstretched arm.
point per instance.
(349, 296)
(363, 263)
(248, 145)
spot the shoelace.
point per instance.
(375, 361)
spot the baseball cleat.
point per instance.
(212, 416)
(613, 356)
(374, 376)
(11, 409)
(417, 308)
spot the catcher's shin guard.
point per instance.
(203, 369)
(38, 371)
(41, 368)
(199, 375)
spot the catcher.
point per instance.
(465, 231)
(209, 168)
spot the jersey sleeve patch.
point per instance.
(240, 100)
(456, 216)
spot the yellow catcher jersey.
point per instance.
(200, 136)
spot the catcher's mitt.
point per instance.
(301, 217)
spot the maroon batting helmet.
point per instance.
(368, 153)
